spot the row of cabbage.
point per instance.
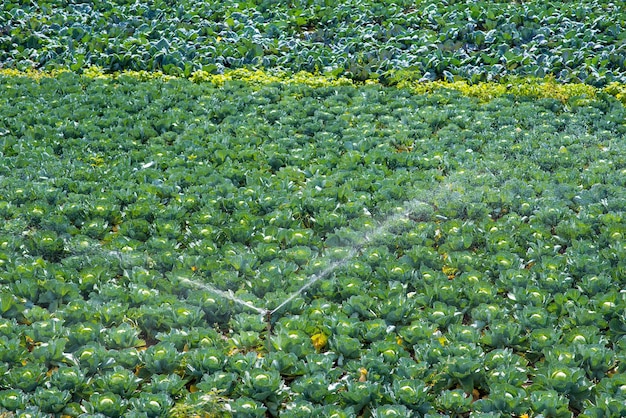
(477, 251)
(471, 40)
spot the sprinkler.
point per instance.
(368, 237)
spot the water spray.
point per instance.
(367, 239)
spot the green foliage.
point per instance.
(119, 380)
(161, 358)
(249, 408)
(107, 404)
(260, 384)
(361, 40)
(550, 403)
(504, 399)
(51, 400)
(457, 244)
(13, 399)
(153, 405)
(26, 378)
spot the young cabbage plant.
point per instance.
(336, 411)
(504, 399)
(455, 402)
(534, 317)
(299, 408)
(479, 292)
(321, 363)
(370, 367)
(25, 378)
(53, 352)
(172, 384)
(292, 341)
(570, 381)
(122, 336)
(32, 411)
(43, 331)
(463, 334)
(204, 360)
(550, 403)
(504, 334)
(563, 354)
(582, 316)
(79, 312)
(287, 364)
(595, 284)
(465, 371)
(390, 351)
(248, 408)
(339, 324)
(13, 399)
(161, 358)
(80, 334)
(93, 357)
(9, 328)
(47, 244)
(241, 362)
(597, 360)
(543, 338)
(246, 340)
(418, 331)
(444, 315)
(314, 387)
(260, 384)
(223, 382)
(408, 368)
(12, 350)
(514, 376)
(300, 254)
(95, 228)
(605, 405)
(613, 386)
(346, 347)
(69, 378)
(119, 381)
(391, 411)
(107, 404)
(51, 400)
(397, 309)
(412, 393)
(129, 358)
(247, 322)
(152, 404)
(27, 290)
(361, 394)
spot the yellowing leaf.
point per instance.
(449, 271)
(319, 341)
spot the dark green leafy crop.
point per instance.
(359, 39)
(279, 249)
(13, 399)
(107, 404)
(161, 358)
(51, 400)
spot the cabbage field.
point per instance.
(366, 39)
(302, 209)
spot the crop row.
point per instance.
(467, 244)
(475, 41)
(527, 87)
